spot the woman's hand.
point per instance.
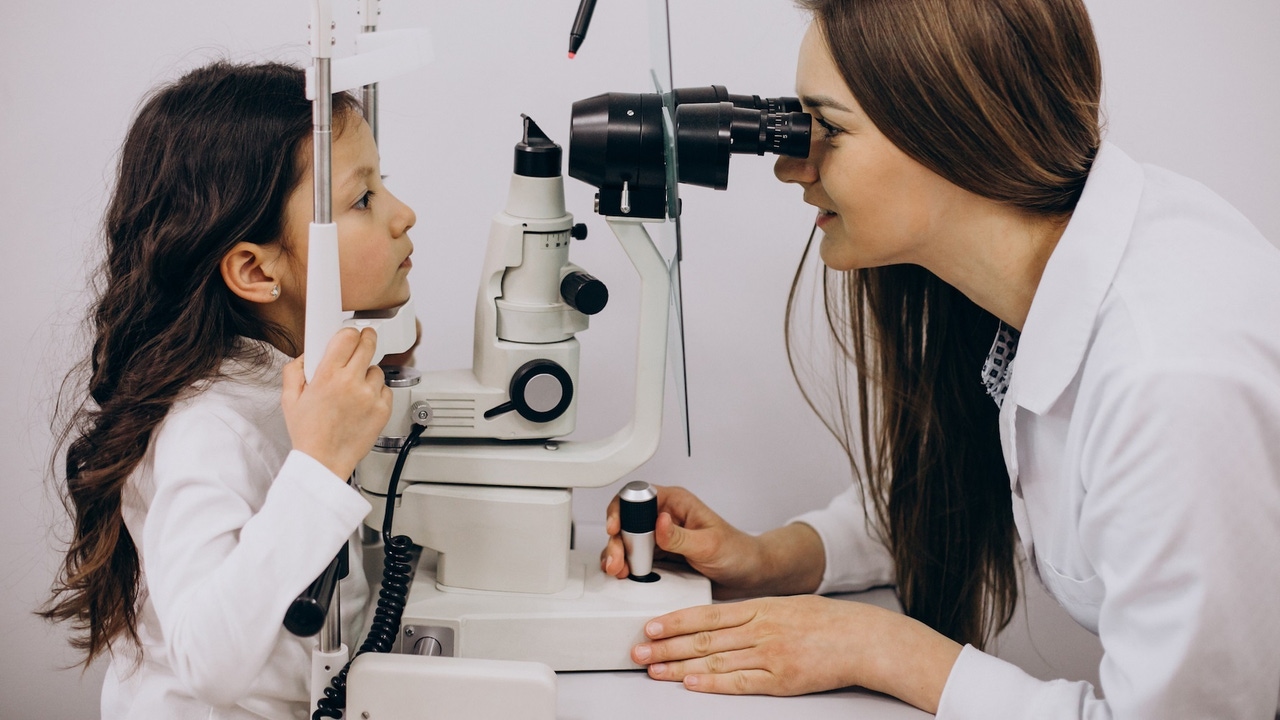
(782, 561)
(337, 416)
(797, 645)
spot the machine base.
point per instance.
(591, 625)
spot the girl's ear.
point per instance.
(247, 269)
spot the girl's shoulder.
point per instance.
(242, 398)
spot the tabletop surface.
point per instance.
(633, 695)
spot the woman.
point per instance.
(1121, 429)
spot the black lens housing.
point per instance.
(616, 142)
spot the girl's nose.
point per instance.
(403, 218)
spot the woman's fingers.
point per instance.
(748, 681)
(700, 618)
(721, 662)
(732, 673)
(698, 645)
(613, 559)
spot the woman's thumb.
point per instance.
(674, 539)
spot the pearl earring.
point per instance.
(275, 291)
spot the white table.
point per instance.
(633, 695)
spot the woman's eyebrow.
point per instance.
(823, 101)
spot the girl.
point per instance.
(1121, 429)
(205, 477)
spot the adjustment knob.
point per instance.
(578, 231)
(584, 293)
(638, 510)
(540, 392)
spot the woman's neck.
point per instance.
(996, 255)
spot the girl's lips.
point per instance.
(408, 263)
(824, 217)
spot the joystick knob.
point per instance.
(638, 507)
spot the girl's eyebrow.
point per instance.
(357, 175)
(823, 101)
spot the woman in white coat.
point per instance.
(1057, 352)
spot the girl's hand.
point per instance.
(337, 416)
(797, 645)
(688, 530)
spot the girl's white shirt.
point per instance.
(1141, 432)
(231, 524)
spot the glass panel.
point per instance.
(667, 235)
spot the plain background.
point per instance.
(1190, 86)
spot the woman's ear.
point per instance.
(247, 269)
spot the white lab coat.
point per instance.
(1141, 433)
(231, 524)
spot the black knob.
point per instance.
(584, 293)
(578, 231)
(540, 391)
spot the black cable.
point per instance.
(397, 571)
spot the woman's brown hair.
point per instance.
(209, 162)
(1001, 98)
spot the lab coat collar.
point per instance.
(1076, 279)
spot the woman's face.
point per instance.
(876, 206)
(373, 240)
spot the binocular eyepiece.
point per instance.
(618, 143)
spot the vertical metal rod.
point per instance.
(321, 142)
(331, 632)
(369, 99)
(369, 96)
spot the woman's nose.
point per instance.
(795, 170)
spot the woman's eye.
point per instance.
(365, 199)
(828, 130)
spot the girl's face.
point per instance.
(876, 205)
(373, 244)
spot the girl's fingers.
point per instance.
(293, 379)
(340, 348)
(362, 355)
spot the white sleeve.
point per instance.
(856, 558)
(1181, 519)
(221, 573)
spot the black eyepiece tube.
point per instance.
(707, 133)
(617, 142)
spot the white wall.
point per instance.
(1191, 86)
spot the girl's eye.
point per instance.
(363, 202)
(828, 130)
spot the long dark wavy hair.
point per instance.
(209, 162)
(1001, 98)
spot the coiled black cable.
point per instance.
(397, 572)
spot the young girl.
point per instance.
(1057, 350)
(206, 478)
